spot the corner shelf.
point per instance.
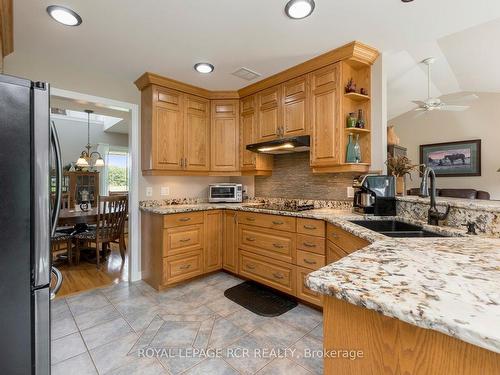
(357, 130)
(357, 97)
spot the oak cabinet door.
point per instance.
(168, 135)
(269, 114)
(247, 158)
(230, 243)
(296, 107)
(196, 134)
(225, 135)
(213, 240)
(325, 111)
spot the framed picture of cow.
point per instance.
(453, 159)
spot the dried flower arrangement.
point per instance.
(401, 166)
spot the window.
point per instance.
(117, 171)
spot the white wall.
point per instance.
(73, 138)
(480, 121)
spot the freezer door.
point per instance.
(41, 341)
(41, 190)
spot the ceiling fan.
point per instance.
(432, 103)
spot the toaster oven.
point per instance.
(225, 192)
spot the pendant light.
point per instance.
(85, 159)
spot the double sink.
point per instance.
(395, 228)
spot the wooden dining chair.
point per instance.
(112, 212)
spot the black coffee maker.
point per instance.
(375, 194)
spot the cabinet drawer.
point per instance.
(310, 260)
(188, 218)
(181, 267)
(311, 227)
(182, 239)
(311, 243)
(267, 242)
(346, 241)
(285, 223)
(273, 273)
(333, 252)
(303, 292)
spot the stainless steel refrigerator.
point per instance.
(29, 149)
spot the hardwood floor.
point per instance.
(86, 276)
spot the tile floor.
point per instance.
(130, 328)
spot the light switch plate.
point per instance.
(350, 192)
(164, 191)
(149, 191)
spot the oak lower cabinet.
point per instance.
(213, 240)
(230, 242)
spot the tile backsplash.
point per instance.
(293, 178)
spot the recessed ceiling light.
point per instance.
(64, 15)
(298, 9)
(204, 68)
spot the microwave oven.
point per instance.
(225, 192)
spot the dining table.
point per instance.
(72, 217)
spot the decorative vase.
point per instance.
(357, 149)
(400, 185)
(392, 138)
(351, 152)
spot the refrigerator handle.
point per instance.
(54, 138)
(59, 280)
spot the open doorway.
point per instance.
(98, 151)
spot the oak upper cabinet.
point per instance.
(270, 114)
(163, 130)
(225, 136)
(251, 162)
(213, 241)
(295, 107)
(325, 117)
(230, 242)
(196, 133)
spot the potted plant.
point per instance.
(400, 166)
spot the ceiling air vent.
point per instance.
(246, 74)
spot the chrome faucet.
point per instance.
(433, 214)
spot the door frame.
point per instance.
(134, 271)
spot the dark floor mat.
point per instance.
(259, 299)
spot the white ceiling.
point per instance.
(466, 61)
(121, 39)
(124, 38)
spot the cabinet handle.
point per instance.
(278, 276)
(311, 227)
(309, 261)
(184, 219)
(185, 267)
(180, 163)
(185, 162)
(278, 223)
(186, 240)
(250, 266)
(278, 245)
(251, 239)
(308, 244)
(250, 218)
(334, 235)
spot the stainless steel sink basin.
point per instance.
(395, 228)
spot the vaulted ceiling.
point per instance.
(124, 38)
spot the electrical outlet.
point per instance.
(164, 191)
(149, 191)
(350, 192)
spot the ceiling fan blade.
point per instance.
(419, 114)
(453, 108)
(466, 98)
(420, 109)
(419, 103)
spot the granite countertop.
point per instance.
(451, 285)
(471, 204)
